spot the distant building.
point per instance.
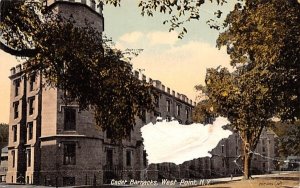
(227, 156)
(3, 163)
(225, 160)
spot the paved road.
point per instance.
(216, 180)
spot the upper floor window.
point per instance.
(70, 118)
(28, 157)
(178, 106)
(128, 158)
(31, 105)
(144, 117)
(30, 130)
(187, 113)
(17, 86)
(156, 101)
(16, 109)
(13, 154)
(15, 132)
(31, 82)
(168, 106)
(108, 132)
(69, 153)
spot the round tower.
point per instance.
(82, 11)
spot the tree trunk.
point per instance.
(247, 161)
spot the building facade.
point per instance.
(225, 160)
(51, 143)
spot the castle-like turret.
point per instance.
(42, 145)
(81, 11)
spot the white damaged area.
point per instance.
(176, 143)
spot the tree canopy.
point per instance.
(288, 137)
(3, 135)
(263, 40)
(77, 60)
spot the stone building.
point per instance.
(225, 160)
(54, 144)
(3, 163)
(51, 143)
(226, 157)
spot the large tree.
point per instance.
(77, 60)
(263, 40)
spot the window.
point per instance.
(16, 109)
(168, 106)
(17, 86)
(157, 114)
(263, 149)
(31, 105)
(14, 128)
(31, 82)
(144, 118)
(128, 158)
(178, 109)
(70, 119)
(145, 158)
(68, 181)
(30, 130)
(236, 150)
(168, 118)
(28, 157)
(108, 133)
(109, 157)
(222, 148)
(264, 166)
(129, 135)
(187, 112)
(13, 158)
(69, 153)
(156, 100)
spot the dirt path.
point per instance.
(276, 181)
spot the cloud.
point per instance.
(131, 37)
(146, 39)
(179, 64)
(160, 37)
(181, 67)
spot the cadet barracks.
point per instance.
(54, 144)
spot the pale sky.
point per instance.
(178, 63)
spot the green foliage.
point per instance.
(3, 133)
(263, 40)
(203, 112)
(80, 62)
(289, 138)
(179, 11)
